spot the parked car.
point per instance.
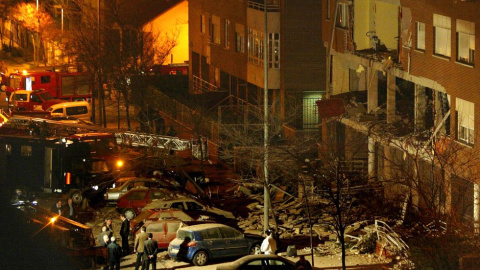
(71, 120)
(123, 186)
(200, 243)
(261, 261)
(163, 230)
(190, 206)
(79, 109)
(132, 202)
(27, 100)
(157, 214)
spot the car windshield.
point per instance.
(46, 96)
(182, 234)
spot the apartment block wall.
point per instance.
(459, 80)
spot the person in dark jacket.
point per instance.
(150, 251)
(114, 254)
(124, 233)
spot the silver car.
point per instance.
(123, 185)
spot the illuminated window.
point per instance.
(255, 46)
(443, 36)
(420, 36)
(342, 16)
(239, 38)
(203, 24)
(215, 32)
(465, 42)
(465, 113)
(274, 50)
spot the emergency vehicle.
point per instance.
(69, 86)
(80, 160)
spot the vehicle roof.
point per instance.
(201, 227)
(92, 134)
(70, 103)
(247, 258)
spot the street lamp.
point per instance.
(266, 190)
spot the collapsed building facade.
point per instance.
(405, 72)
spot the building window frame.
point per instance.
(215, 30)
(465, 42)
(465, 121)
(342, 16)
(329, 6)
(420, 44)
(239, 42)
(227, 36)
(442, 35)
(203, 24)
(255, 46)
(274, 50)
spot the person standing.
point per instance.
(57, 208)
(101, 236)
(124, 233)
(70, 210)
(150, 253)
(269, 244)
(139, 246)
(303, 264)
(114, 254)
(108, 224)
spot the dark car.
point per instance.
(132, 202)
(254, 262)
(200, 243)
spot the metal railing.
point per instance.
(272, 5)
(200, 86)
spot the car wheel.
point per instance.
(130, 214)
(76, 195)
(200, 258)
(254, 248)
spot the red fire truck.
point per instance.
(69, 86)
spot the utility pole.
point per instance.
(266, 189)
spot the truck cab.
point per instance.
(27, 100)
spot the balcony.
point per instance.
(272, 5)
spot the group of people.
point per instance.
(269, 246)
(67, 211)
(146, 249)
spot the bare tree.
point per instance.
(34, 20)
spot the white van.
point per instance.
(78, 109)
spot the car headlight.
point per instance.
(95, 187)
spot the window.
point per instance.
(342, 16)
(255, 46)
(274, 50)
(203, 24)
(442, 32)
(194, 206)
(328, 9)
(227, 37)
(77, 110)
(213, 233)
(465, 121)
(215, 31)
(239, 38)
(35, 98)
(156, 227)
(420, 36)
(44, 79)
(26, 151)
(465, 42)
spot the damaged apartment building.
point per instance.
(407, 75)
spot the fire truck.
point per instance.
(80, 160)
(69, 86)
